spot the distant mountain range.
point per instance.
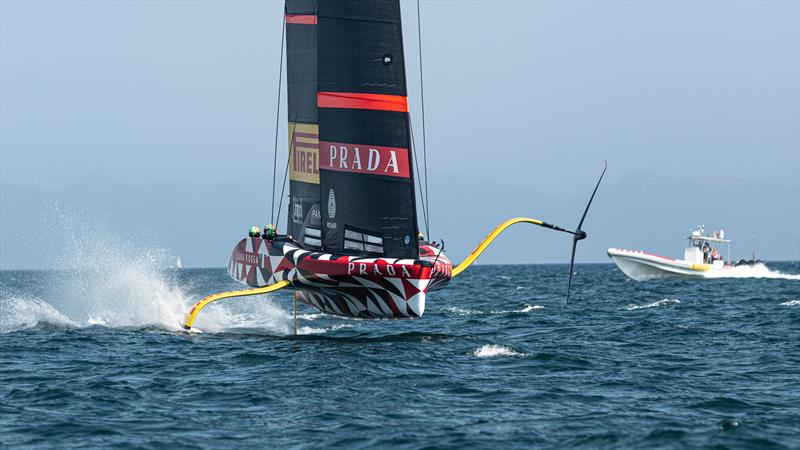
(201, 222)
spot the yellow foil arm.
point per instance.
(488, 240)
(192, 314)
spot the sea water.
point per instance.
(93, 356)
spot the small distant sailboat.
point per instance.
(178, 263)
(353, 246)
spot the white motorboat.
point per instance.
(701, 258)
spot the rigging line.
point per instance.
(283, 188)
(422, 97)
(419, 179)
(286, 171)
(277, 118)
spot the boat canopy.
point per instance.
(708, 239)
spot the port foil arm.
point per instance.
(188, 320)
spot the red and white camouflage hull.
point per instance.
(350, 286)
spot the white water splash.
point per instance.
(492, 350)
(17, 313)
(312, 316)
(791, 303)
(121, 291)
(754, 271)
(251, 314)
(108, 281)
(138, 296)
(664, 302)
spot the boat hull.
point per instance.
(642, 266)
(349, 286)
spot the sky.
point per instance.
(521, 97)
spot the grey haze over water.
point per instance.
(154, 121)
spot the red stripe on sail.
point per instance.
(301, 19)
(352, 100)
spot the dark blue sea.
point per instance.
(96, 359)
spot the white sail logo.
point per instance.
(331, 204)
(368, 159)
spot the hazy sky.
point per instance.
(530, 94)
(518, 92)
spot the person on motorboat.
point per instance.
(254, 232)
(706, 253)
(714, 255)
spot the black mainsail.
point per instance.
(355, 195)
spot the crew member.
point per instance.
(254, 232)
(270, 232)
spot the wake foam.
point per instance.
(492, 350)
(469, 312)
(317, 330)
(791, 303)
(455, 310)
(526, 309)
(754, 271)
(664, 302)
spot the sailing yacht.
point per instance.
(352, 246)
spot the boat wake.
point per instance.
(526, 309)
(318, 330)
(664, 302)
(751, 271)
(456, 311)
